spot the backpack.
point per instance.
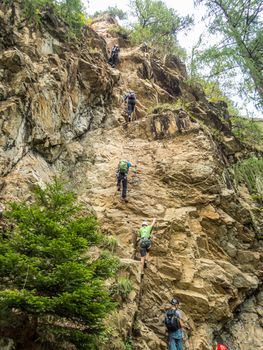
(123, 166)
(172, 321)
(145, 243)
(115, 50)
(131, 97)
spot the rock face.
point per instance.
(60, 108)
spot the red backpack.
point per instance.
(221, 347)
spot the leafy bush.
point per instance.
(49, 284)
(119, 30)
(129, 344)
(250, 171)
(110, 243)
(70, 11)
(162, 107)
(248, 131)
(122, 288)
(212, 91)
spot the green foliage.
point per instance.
(157, 24)
(250, 171)
(237, 26)
(122, 288)
(70, 11)
(43, 275)
(120, 30)
(113, 11)
(248, 131)
(162, 107)
(213, 92)
(110, 243)
(129, 344)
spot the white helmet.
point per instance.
(145, 223)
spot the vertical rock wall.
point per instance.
(60, 108)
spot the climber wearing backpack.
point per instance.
(122, 177)
(145, 233)
(174, 326)
(130, 98)
(114, 56)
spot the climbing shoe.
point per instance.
(124, 200)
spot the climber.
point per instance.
(130, 98)
(122, 177)
(114, 56)
(145, 242)
(174, 325)
(180, 121)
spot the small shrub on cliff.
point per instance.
(51, 290)
(122, 288)
(119, 30)
(163, 107)
(248, 131)
(70, 11)
(250, 172)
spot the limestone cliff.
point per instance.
(61, 110)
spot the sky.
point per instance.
(183, 7)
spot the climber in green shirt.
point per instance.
(145, 242)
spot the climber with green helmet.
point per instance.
(122, 177)
(144, 234)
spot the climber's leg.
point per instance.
(119, 182)
(146, 258)
(179, 344)
(143, 253)
(142, 264)
(114, 60)
(131, 107)
(172, 342)
(124, 186)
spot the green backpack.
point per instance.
(123, 166)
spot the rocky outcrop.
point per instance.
(60, 108)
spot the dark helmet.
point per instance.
(174, 301)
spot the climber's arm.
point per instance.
(153, 223)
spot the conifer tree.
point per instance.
(52, 293)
